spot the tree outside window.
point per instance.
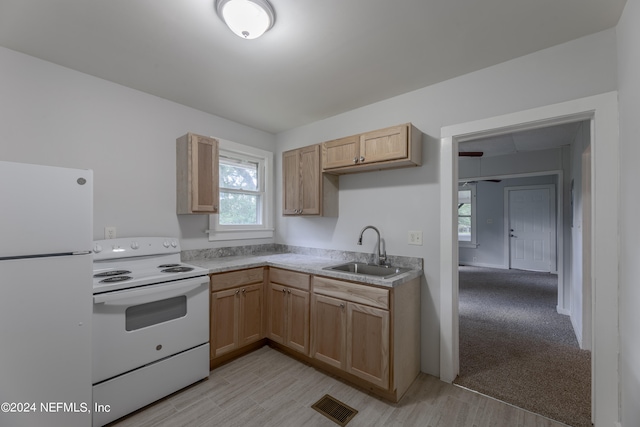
(240, 195)
(246, 193)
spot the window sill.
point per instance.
(467, 245)
(220, 235)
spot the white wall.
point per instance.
(490, 221)
(56, 116)
(628, 32)
(408, 199)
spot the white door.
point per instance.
(531, 227)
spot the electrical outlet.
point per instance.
(415, 238)
(109, 232)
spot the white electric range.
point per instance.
(150, 324)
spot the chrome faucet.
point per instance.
(382, 254)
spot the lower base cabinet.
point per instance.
(352, 337)
(368, 344)
(236, 310)
(329, 330)
(288, 309)
(366, 334)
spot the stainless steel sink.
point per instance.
(382, 271)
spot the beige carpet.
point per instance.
(515, 347)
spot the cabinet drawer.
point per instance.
(236, 278)
(361, 294)
(289, 278)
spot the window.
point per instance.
(467, 215)
(240, 190)
(245, 174)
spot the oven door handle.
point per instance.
(149, 293)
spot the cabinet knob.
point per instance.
(284, 291)
(355, 160)
(361, 159)
(341, 305)
(244, 291)
(288, 290)
(237, 292)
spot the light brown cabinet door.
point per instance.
(310, 183)
(225, 307)
(197, 174)
(384, 145)
(250, 328)
(298, 320)
(277, 307)
(329, 330)
(368, 344)
(291, 179)
(302, 181)
(341, 152)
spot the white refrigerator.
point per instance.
(46, 234)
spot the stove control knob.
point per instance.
(135, 245)
(166, 244)
(174, 244)
(97, 249)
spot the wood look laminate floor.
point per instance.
(267, 388)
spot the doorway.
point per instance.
(600, 109)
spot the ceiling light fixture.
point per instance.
(248, 19)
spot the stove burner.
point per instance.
(177, 269)
(115, 279)
(112, 273)
(168, 265)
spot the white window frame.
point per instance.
(265, 230)
(473, 243)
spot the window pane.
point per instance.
(239, 209)
(465, 209)
(238, 174)
(464, 196)
(464, 229)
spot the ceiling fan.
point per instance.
(484, 180)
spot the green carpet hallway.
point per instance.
(515, 347)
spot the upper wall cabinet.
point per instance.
(197, 174)
(389, 148)
(305, 191)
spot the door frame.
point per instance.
(555, 222)
(598, 109)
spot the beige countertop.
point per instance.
(302, 263)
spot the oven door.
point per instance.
(134, 327)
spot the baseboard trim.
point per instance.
(481, 264)
(564, 311)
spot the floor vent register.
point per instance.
(335, 410)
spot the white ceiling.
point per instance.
(545, 138)
(320, 59)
